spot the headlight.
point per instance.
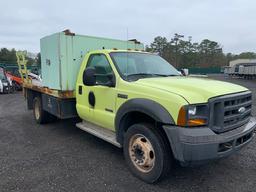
(192, 110)
(193, 115)
(5, 84)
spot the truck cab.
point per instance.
(157, 115)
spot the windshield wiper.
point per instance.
(138, 75)
(171, 75)
(163, 75)
(144, 75)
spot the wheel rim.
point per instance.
(141, 153)
(37, 110)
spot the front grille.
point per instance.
(230, 111)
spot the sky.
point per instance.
(232, 23)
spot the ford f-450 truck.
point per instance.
(138, 101)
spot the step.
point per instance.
(100, 132)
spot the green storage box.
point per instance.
(62, 54)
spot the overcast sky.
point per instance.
(232, 23)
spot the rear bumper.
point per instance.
(199, 145)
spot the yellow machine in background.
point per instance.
(22, 63)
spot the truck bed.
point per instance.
(61, 104)
(52, 92)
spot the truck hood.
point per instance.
(194, 90)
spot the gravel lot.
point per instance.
(61, 157)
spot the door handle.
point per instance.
(80, 90)
(91, 99)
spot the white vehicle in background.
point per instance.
(1, 87)
(5, 83)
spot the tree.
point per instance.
(185, 53)
(9, 56)
(210, 53)
(159, 45)
(38, 60)
(177, 44)
(247, 55)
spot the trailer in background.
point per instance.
(243, 68)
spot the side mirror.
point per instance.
(184, 72)
(89, 78)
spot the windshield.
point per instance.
(132, 66)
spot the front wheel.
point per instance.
(146, 153)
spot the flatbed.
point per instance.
(61, 104)
(51, 92)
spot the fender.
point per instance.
(149, 107)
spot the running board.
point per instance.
(100, 132)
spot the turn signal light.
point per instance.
(182, 117)
(196, 122)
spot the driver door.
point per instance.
(101, 98)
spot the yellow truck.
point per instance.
(139, 102)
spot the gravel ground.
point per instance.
(61, 157)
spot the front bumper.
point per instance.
(6, 89)
(193, 146)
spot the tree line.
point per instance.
(186, 53)
(8, 56)
(180, 52)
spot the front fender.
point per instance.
(146, 106)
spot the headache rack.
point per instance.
(230, 111)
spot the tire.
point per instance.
(147, 153)
(40, 116)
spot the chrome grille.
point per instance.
(230, 111)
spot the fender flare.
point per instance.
(149, 107)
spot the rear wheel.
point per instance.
(147, 154)
(40, 115)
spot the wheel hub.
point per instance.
(141, 153)
(137, 149)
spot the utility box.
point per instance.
(62, 54)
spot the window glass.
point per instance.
(102, 67)
(134, 64)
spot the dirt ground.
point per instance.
(61, 157)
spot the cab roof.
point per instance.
(118, 50)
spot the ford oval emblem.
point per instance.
(241, 110)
